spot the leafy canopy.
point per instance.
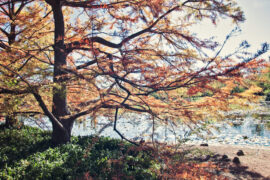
(120, 56)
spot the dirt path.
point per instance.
(255, 159)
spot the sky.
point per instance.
(256, 28)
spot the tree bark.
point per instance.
(60, 136)
(60, 108)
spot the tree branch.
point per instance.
(3, 45)
(5, 32)
(86, 64)
(39, 99)
(118, 132)
(77, 44)
(15, 92)
(89, 5)
(14, 1)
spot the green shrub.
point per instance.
(28, 154)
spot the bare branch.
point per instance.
(15, 92)
(118, 132)
(90, 5)
(77, 44)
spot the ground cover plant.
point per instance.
(29, 154)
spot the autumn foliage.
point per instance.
(76, 59)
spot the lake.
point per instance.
(241, 127)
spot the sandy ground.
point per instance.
(255, 159)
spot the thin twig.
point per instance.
(118, 132)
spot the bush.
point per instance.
(28, 154)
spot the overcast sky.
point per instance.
(256, 28)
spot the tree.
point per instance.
(113, 57)
(20, 24)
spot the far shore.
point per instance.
(249, 146)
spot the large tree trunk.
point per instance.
(60, 136)
(59, 109)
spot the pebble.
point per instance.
(236, 160)
(240, 153)
(224, 157)
(204, 144)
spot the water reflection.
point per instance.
(238, 129)
(259, 130)
(251, 129)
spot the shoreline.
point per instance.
(250, 146)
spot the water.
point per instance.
(250, 128)
(249, 131)
(238, 129)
